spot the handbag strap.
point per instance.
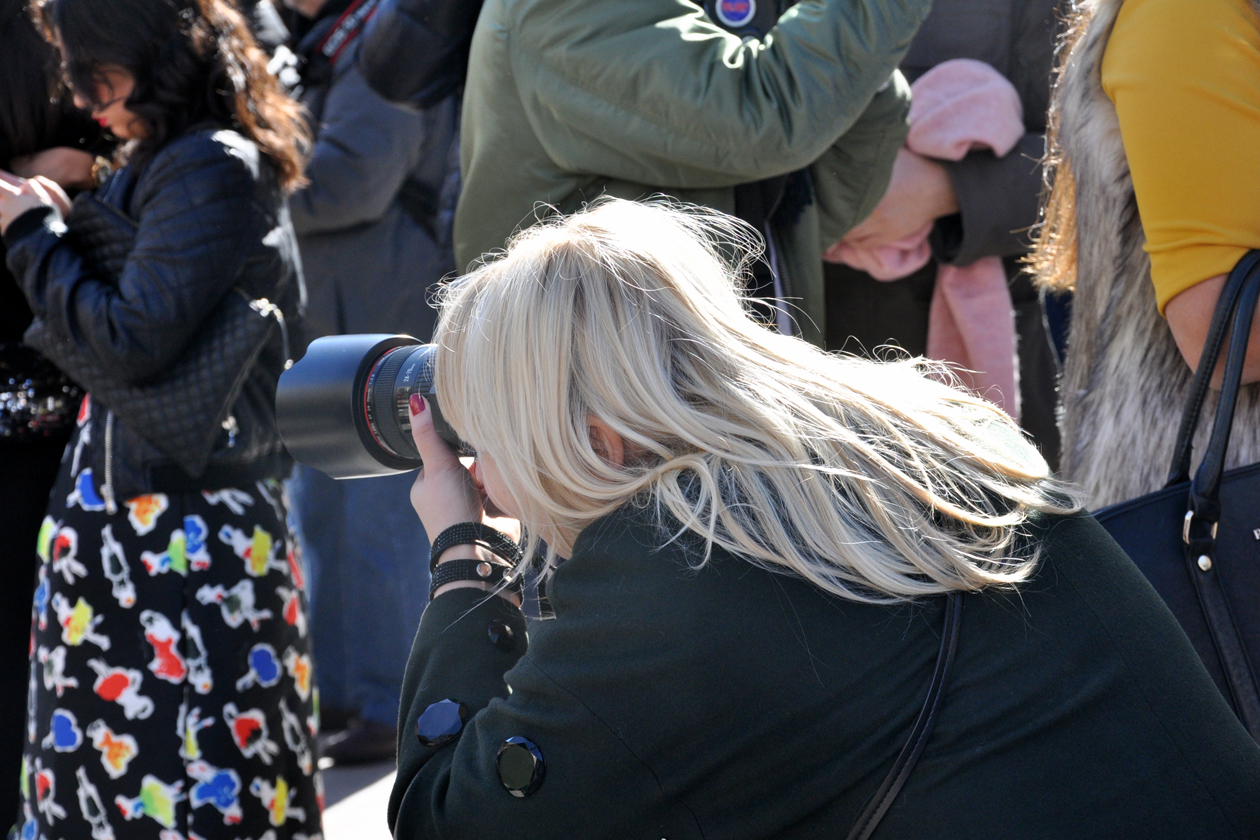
(1203, 507)
(1205, 490)
(1225, 307)
(922, 730)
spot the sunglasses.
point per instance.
(104, 106)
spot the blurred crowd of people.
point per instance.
(191, 191)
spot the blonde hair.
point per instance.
(867, 479)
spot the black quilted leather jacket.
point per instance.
(211, 216)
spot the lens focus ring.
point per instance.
(381, 416)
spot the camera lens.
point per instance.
(343, 409)
(394, 377)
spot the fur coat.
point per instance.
(1125, 383)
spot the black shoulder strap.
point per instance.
(900, 772)
(1225, 306)
(1237, 304)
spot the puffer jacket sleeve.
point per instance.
(688, 105)
(364, 150)
(195, 213)
(850, 177)
(454, 789)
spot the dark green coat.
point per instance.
(732, 703)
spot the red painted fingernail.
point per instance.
(417, 404)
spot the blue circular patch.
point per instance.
(736, 13)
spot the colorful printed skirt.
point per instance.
(171, 689)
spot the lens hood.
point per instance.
(321, 412)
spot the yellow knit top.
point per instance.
(1185, 79)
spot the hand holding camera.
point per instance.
(444, 493)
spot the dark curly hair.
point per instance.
(193, 61)
(29, 110)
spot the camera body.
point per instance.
(343, 409)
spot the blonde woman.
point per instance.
(758, 538)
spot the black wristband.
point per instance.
(475, 533)
(493, 574)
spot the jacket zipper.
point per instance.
(266, 308)
(111, 506)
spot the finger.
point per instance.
(44, 195)
(38, 190)
(436, 454)
(55, 193)
(10, 178)
(7, 188)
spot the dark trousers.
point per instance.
(27, 474)
(367, 555)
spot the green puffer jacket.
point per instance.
(570, 99)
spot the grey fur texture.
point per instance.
(1125, 383)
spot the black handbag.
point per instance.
(1198, 540)
(182, 411)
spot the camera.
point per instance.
(343, 409)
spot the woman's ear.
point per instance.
(606, 442)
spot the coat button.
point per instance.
(521, 766)
(441, 723)
(501, 635)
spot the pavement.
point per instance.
(354, 801)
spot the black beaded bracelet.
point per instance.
(493, 574)
(475, 533)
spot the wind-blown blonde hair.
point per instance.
(867, 479)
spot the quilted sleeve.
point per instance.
(196, 213)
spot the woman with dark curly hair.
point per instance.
(170, 683)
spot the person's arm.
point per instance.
(69, 167)
(472, 651)
(364, 150)
(194, 226)
(457, 790)
(853, 174)
(1185, 80)
(982, 205)
(414, 53)
(998, 199)
(1189, 316)
(654, 93)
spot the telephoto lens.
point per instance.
(343, 409)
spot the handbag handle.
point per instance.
(1225, 306)
(1205, 489)
(1199, 544)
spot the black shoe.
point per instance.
(364, 742)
